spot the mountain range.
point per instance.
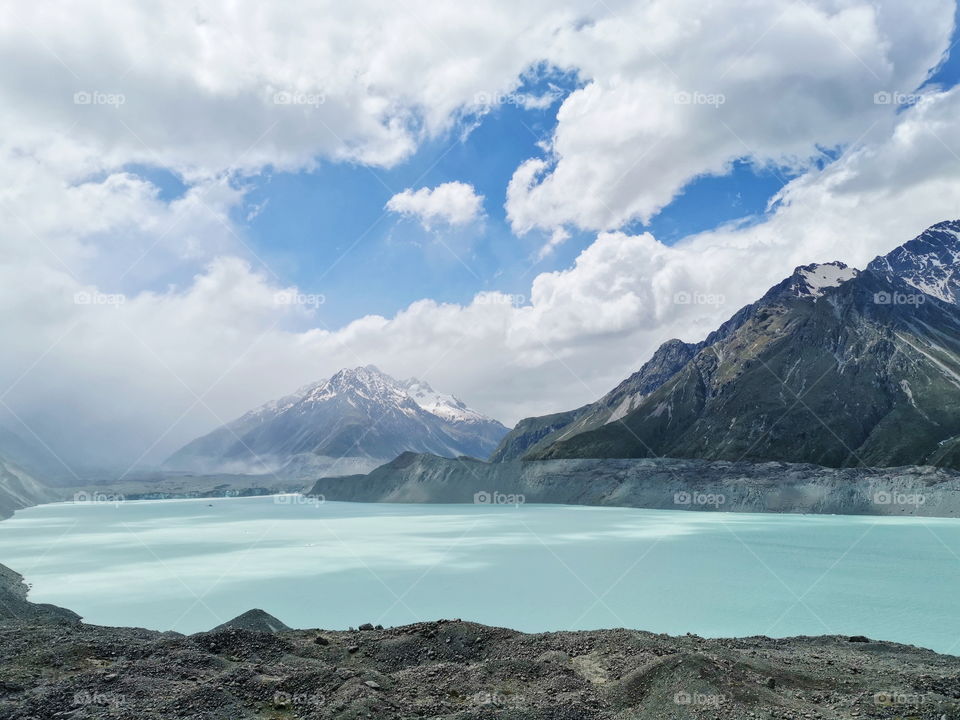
(354, 421)
(832, 366)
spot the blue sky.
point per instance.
(327, 231)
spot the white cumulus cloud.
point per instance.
(452, 203)
(707, 84)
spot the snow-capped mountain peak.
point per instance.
(358, 413)
(370, 384)
(930, 262)
(442, 405)
(367, 383)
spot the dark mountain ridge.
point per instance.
(831, 366)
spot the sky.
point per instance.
(203, 208)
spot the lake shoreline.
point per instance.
(253, 666)
(455, 555)
(449, 669)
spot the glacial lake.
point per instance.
(188, 565)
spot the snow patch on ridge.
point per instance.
(371, 384)
(930, 262)
(817, 278)
(449, 407)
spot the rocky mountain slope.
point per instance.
(832, 366)
(18, 489)
(658, 483)
(536, 433)
(15, 608)
(352, 422)
(33, 457)
(53, 666)
(930, 262)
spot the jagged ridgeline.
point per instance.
(832, 366)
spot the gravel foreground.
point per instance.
(54, 666)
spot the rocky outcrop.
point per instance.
(15, 608)
(257, 620)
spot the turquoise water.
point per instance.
(189, 565)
